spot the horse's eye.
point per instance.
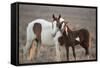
(62, 22)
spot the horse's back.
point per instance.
(46, 35)
(85, 32)
(43, 22)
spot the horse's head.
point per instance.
(57, 23)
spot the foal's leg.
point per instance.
(86, 47)
(67, 51)
(73, 48)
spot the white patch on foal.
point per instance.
(77, 38)
(66, 30)
(62, 27)
(61, 20)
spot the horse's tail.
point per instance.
(90, 40)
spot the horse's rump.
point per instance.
(85, 37)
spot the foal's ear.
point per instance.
(59, 16)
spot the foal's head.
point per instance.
(59, 22)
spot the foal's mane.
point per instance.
(66, 26)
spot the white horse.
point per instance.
(49, 35)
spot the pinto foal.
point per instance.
(71, 38)
(66, 41)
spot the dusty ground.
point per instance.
(78, 18)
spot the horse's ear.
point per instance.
(53, 16)
(59, 16)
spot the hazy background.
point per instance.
(78, 18)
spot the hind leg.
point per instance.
(86, 47)
(87, 52)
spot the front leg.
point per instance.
(73, 48)
(58, 57)
(67, 51)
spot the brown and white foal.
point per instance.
(71, 38)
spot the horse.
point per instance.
(66, 41)
(72, 38)
(41, 31)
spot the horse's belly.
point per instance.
(47, 38)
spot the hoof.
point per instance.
(77, 58)
(88, 57)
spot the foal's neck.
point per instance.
(68, 29)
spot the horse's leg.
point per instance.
(26, 49)
(67, 51)
(58, 58)
(85, 41)
(86, 47)
(73, 48)
(87, 50)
